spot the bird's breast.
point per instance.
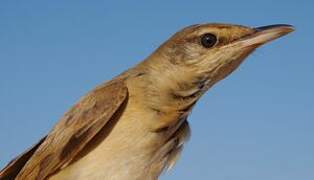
(128, 148)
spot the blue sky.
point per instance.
(256, 124)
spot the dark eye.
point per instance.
(208, 40)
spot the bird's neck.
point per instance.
(162, 88)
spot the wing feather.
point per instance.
(74, 131)
(14, 167)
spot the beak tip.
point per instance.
(287, 28)
(291, 28)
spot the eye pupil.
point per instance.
(208, 40)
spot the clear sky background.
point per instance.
(256, 124)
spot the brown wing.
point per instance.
(15, 166)
(74, 131)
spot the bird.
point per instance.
(135, 126)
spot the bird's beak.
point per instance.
(262, 35)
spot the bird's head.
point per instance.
(198, 56)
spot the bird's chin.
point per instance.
(260, 36)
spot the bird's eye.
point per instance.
(208, 40)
